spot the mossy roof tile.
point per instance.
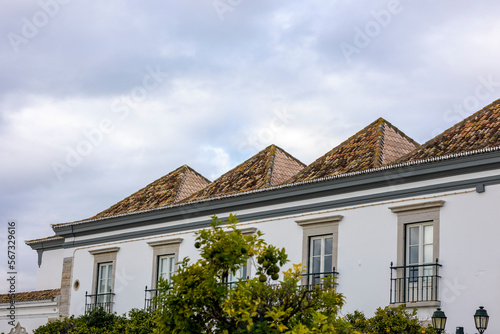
(167, 190)
(479, 131)
(375, 145)
(265, 169)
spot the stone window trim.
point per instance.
(413, 214)
(103, 255)
(316, 227)
(249, 230)
(163, 247)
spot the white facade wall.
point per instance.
(30, 315)
(367, 244)
(48, 275)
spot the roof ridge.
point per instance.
(271, 168)
(183, 181)
(379, 149)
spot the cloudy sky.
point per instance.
(100, 98)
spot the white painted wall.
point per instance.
(48, 275)
(469, 233)
(31, 315)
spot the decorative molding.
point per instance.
(165, 242)
(249, 230)
(418, 206)
(104, 250)
(319, 221)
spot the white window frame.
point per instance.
(103, 290)
(421, 249)
(167, 274)
(322, 256)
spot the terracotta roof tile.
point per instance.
(265, 169)
(375, 145)
(54, 237)
(478, 131)
(33, 295)
(169, 189)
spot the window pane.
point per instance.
(413, 235)
(162, 272)
(110, 275)
(328, 246)
(328, 264)
(171, 266)
(317, 247)
(428, 254)
(413, 256)
(428, 234)
(316, 267)
(101, 286)
(102, 272)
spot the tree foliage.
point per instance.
(397, 320)
(199, 300)
(100, 322)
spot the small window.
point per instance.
(419, 250)
(319, 248)
(104, 281)
(165, 258)
(320, 258)
(241, 273)
(166, 267)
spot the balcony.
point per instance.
(99, 300)
(150, 303)
(415, 283)
(315, 280)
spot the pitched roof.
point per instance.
(267, 168)
(377, 144)
(479, 131)
(30, 296)
(169, 189)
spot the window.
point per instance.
(165, 258)
(415, 277)
(103, 280)
(166, 267)
(320, 258)
(419, 250)
(319, 248)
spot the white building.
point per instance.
(398, 222)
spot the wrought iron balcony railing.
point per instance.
(150, 302)
(99, 300)
(316, 280)
(415, 283)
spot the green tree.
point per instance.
(199, 299)
(100, 322)
(393, 320)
